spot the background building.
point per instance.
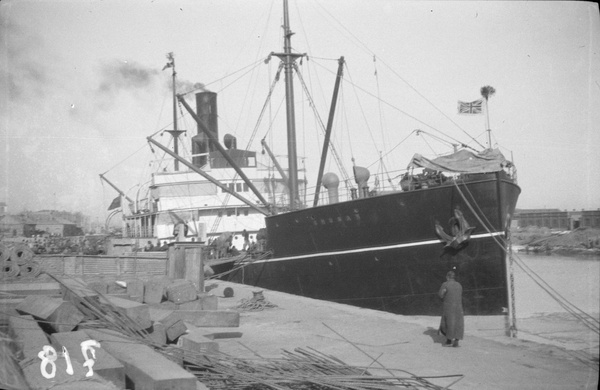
(40, 222)
(557, 219)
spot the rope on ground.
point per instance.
(257, 302)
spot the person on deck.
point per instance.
(246, 239)
(149, 247)
(452, 323)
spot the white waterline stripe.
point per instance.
(376, 248)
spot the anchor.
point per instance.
(460, 229)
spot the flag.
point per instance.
(472, 108)
(169, 65)
(116, 203)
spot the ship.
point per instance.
(381, 248)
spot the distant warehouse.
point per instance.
(557, 219)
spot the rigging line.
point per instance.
(362, 111)
(347, 125)
(398, 144)
(581, 315)
(126, 158)
(371, 53)
(241, 76)
(430, 103)
(319, 120)
(386, 172)
(281, 103)
(251, 65)
(251, 36)
(576, 312)
(267, 103)
(402, 111)
(357, 41)
(546, 287)
(441, 140)
(430, 147)
(381, 126)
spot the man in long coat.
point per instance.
(452, 324)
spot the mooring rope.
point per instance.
(588, 320)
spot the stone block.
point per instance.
(158, 333)
(135, 289)
(174, 326)
(11, 374)
(154, 290)
(122, 296)
(29, 337)
(223, 335)
(85, 384)
(209, 318)
(144, 368)
(59, 315)
(204, 302)
(166, 305)
(36, 381)
(105, 364)
(116, 288)
(138, 312)
(181, 291)
(98, 286)
(195, 344)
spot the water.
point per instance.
(577, 279)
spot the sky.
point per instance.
(82, 86)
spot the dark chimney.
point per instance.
(206, 109)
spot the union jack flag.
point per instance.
(472, 108)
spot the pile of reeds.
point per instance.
(306, 369)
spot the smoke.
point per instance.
(130, 77)
(184, 86)
(25, 75)
(124, 75)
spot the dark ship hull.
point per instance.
(382, 252)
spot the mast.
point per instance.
(175, 132)
(487, 92)
(336, 88)
(288, 58)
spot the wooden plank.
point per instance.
(204, 302)
(209, 318)
(138, 312)
(105, 364)
(60, 315)
(29, 337)
(144, 368)
(194, 342)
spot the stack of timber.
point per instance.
(154, 334)
(17, 262)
